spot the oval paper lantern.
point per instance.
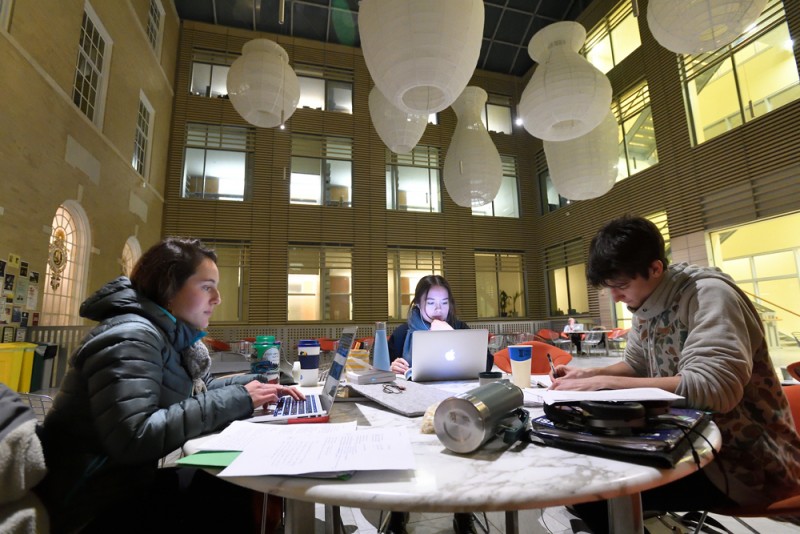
(262, 86)
(700, 25)
(398, 129)
(567, 96)
(585, 167)
(421, 53)
(473, 171)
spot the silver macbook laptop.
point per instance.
(448, 354)
(314, 405)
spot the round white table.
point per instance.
(497, 477)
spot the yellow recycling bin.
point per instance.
(16, 365)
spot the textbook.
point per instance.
(662, 443)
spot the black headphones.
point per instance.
(598, 417)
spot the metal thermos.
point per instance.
(468, 420)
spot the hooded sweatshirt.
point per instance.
(699, 325)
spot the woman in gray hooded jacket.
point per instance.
(138, 388)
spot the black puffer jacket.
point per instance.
(125, 402)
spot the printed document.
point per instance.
(551, 396)
(312, 449)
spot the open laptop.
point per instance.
(448, 354)
(315, 406)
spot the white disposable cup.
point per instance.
(521, 368)
(309, 377)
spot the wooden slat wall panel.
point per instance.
(685, 183)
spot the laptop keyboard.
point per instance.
(289, 406)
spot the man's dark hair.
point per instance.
(161, 271)
(625, 247)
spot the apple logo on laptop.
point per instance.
(450, 355)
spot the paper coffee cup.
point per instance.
(520, 356)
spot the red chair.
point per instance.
(539, 363)
(547, 336)
(794, 371)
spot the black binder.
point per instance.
(664, 441)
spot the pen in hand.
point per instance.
(552, 367)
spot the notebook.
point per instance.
(448, 354)
(315, 405)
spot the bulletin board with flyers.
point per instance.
(20, 298)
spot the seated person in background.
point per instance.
(138, 388)
(433, 308)
(574, 329)
(696, 334)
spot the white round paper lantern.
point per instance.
(567, 96)
(473, 171)
(421, 53)
(262, 86)
(585, 167)
(398, 129)
(700, 25)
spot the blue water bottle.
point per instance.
(380, 354)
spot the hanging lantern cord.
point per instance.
(635, 8)
(282, 9)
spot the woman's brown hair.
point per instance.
(161, 271)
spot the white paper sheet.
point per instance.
(240, 435)
(289, 452)
(551, 396)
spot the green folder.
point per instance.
(209, 458)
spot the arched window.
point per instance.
(67, 263)
(131, 253)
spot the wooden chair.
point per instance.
(785, 508)
(539, 363)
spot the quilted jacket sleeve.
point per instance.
(140, 396)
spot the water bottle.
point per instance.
(380, 352)
(273, 358)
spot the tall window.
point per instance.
(320, 283)
(210, 73)
(637, 138)
(412, 180)
(405, 267)
(613, 39)
(94, 55)
(325, 88)
(746, 79)
(65, 275)
(506, 203)
(142, 136)
(155, 25)
(233, 262)
(322, 170)
(551, 200)
(500, 284)
(496, 114)
(131, 252)
(218, 161)
(566, 279)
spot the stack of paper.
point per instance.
(333, 450)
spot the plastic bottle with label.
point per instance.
(265, 358)
(380, 352)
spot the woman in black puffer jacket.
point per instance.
(138, 388)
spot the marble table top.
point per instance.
(497, 477)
